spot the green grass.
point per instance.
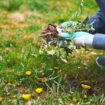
(20, 51)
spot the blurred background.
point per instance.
(38, 13)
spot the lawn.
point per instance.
(31, 75)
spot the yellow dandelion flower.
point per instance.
(85, 86)
(43, 80)
(39, 90)
(26, 97)
(1, 99)
(28, 72)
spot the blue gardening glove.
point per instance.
(74, 35)
(69, 23)
(80, 38)
(68, 35)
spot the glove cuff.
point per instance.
(84, 40)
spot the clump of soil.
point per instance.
(50, 31)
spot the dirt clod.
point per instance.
(50, 31)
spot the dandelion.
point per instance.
(39, 90)
(86, 87)
(26, 97)
(28, 72)
(1, 99)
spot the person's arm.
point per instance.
(98, 22)
(99, 18)
(97, 41)
(101, 4)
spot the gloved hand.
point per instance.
(68, 35)
(68, 23)
(80, 38)
(74, 35)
